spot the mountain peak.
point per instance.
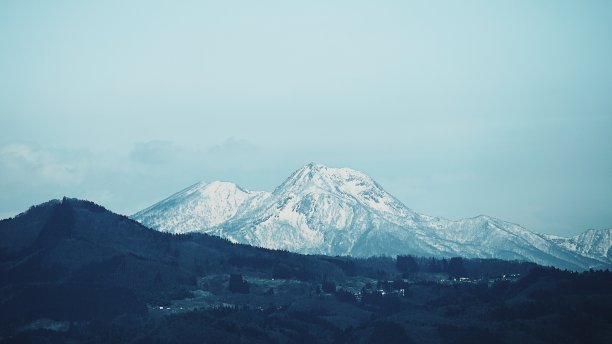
(324, 177)
(222, 186)
(314, 166)
(341, 211)
(310, 171)
(197, 207)
(343, 183)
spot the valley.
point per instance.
(73, 271)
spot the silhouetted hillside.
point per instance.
(72, 271)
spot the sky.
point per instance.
(457, 108)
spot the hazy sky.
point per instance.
(458, 108)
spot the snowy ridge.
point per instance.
(592, 243)
(340, 211)
(198, 207)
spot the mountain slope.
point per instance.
(340, 211)
(74, 260)
(488, 237)
(73, 272)
(317, 210)
(66, 239)
(198, 207)
(592, 243)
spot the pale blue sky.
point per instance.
(458, 108)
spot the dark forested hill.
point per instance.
(71, 271)
(80, 243)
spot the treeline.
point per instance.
(545, 306)
(457, 267)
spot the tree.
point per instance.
(455, 267)
(328, 287)
(406, 264)
(345, 296)
(238, 285)
(389, 332)
(434, 266)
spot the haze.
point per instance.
(456, 108)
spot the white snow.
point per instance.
(198, 208)
(340, 211)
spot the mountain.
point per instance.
(73, 272)
(74, 241)
(73, 260)
(592, 243)
(319, 210)
(340, 211)
(200, 206)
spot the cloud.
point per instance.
(31, 164)
(154, 152)
(233, 146)
(128, 179)
(30, 174)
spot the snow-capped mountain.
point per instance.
(320, 210)
(340, 211)
(592, 243)
(199, 207)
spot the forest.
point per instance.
(73, 272)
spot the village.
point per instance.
(262, 293)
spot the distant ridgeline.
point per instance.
(71, 271)
(343, 212)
